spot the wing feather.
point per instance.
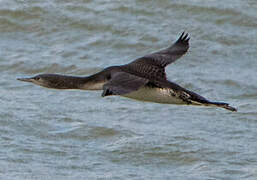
(123, 83)
(165, 57)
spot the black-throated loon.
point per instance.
(143, 79)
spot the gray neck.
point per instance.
(93, 82)
(57, 81)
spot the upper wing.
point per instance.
(164, 57)
(123, 83)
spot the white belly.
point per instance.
(158, 95)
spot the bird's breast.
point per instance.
(153, 94)
(94, 85)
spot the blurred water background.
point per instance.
(53, 134)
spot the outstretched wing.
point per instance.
(123, 83)
(164, 57)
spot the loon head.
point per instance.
(55, 81)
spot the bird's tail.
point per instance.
(196, 99)
(220, 104)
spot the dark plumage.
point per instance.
(143, 79)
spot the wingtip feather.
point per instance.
(184, 37)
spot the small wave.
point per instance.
(24, 14)
(227, 82)
(135, 11)
(21, 20)
(247, 96)
(238, 20)
(83, 132)
(8, 25)
(210, 10)
(101, 132)
(51, 68)
(22, 67)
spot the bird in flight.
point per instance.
(143, 79)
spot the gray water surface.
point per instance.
(53, 134)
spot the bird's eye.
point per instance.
(37, 78)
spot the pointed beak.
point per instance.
(25, 79)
